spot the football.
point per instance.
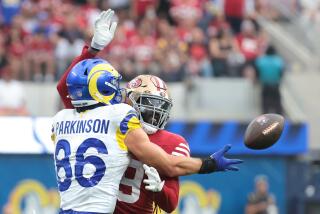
(264, 131)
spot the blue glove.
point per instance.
(222, 163)
(217, 162)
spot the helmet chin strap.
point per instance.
(148, 129)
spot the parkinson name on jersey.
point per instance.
(82, 126)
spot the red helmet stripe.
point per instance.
(162, 84)
(158, 83)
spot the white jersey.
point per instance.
(91, 157)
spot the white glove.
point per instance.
(154, 183)
(103, 30)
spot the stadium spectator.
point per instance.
(69, 43)
(142, 47)
(248, 42)
(217, 24)
(234, 12)
(198, 63)
(266, 9)
(186, 15)
(310, 12)
(10, 88)
(15, 46)
(119, 56)
(141, 8)
(88, 13)
(40, 53)
(261, 201)
(171, 54)
(16, 50)
(186, 11)
(250, 45)
(270, 69)
(43, 37)
(3, 57)
(225, 59)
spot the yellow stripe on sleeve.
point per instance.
(130, 122)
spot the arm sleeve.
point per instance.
(62, 86)
(168, 198)
(129, 122)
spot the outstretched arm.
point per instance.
(172, 166)
(103, 34)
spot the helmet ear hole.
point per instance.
(106, 92)
(86, 72)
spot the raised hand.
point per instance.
(104, 30)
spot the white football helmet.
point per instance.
(149, 95)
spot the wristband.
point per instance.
(208, 165)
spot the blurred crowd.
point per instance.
(176, 40)
(310, 13)
(173, 39)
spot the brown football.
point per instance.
(264, 131)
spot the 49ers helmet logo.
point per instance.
(135, 83)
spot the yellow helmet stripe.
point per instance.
(93, 76)
(104, 67)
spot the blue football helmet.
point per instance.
(93, 81)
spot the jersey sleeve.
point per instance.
(62, 86)
(177, 146)
(182, 149)
(128, 123)
(168, 198)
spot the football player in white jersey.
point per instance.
(92, 141)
